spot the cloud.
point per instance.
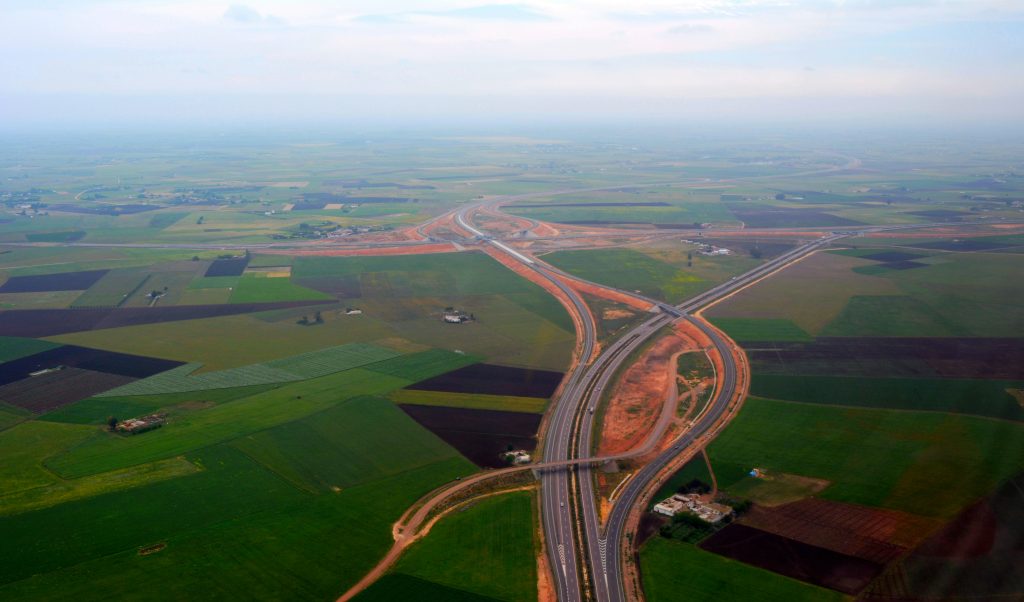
(689, 29)
(485, 12)
(240, 13)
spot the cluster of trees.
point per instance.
(305, 321)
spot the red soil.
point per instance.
(639, 395)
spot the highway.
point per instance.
(570, 432)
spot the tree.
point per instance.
(780, 197)
(304, 320)
(756, 253)
(195, 258)
(112, 422)
(318, 318)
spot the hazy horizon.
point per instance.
(917, 63)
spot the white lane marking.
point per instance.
(561, 557)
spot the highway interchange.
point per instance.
(600, 576)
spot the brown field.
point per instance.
(52, 390)
(873, 534)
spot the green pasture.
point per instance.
(397, 586)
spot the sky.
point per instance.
(549, 61)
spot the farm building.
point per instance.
(456, 316)
(691, 502)
(134, 426)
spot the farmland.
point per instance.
(486, 548)
(925, 463)
(673, 570)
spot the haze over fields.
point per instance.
(920, 62)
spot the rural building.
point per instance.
(353, 311)
(134, 426)
(691, 502)
(456, 316)
(518, 456)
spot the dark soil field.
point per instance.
(776, 217)
(623, 204)
(104, 209)
(323, 198)
(792, 558)
(37, 323)
(967, 244)
(902, 265)
(489, 379)
(480, 435)
(979, 555)
(345, 286)
(65, 281)
(73, 356)
(52, 390)
(872, 534)
(227, 267)
(891, 256)
(989, 358)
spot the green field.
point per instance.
(487, 548)
(298, 367)
(362, 439)
(962, 396)
(11, 348)
(473, 401)
(104, 451)
(11, 415)
(517, 323)
(674, 571)
(396, 586)
(253, 288)
(629, 270)
(113, 289)
(96, 410)
(764, 329)
(925, 463)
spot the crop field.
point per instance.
(763, 329)
(962, 396)
(104, 451)
(997, 358)
(977, 553)
(924, 463)
(299, 367)
(792, 558)
(68, 281)
(12, 348)
(96, 410)
(673, 570)
(629, 270)
(398, 586)
(254, 289)
(470, 401)
(171, 286)
(422, 365)
(11, 415)
(52, 390)
(113, 289)
(486, 548)
(480, 435)
(516, 322)
(810, 294)
(953, 295)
